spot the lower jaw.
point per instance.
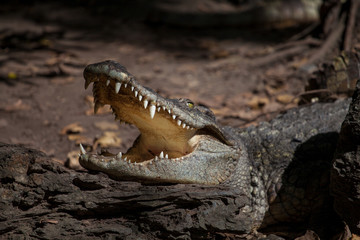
(141, 155)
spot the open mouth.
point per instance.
(170, 128)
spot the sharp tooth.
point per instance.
(164, 108)
(136, 93)
(187, 127)
(119, 155)
(140, 97)
(97, 106)
(123, 76)
(132, 88)
(82, 150)
(158, 109)
(173, 117)
(108, 82)
(169, 111)
(183, 125)
(166, 156)
(178, 122)
(146, 103)
(125, 85)
(125, 158)
(152, 111)
(156, 158)
(87, 83)
(117, 87)
(161, 154)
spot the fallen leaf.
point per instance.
(355, 237)
(73, 128)
(12, 75)
(77, 138)
(257, 102)
(18, 105)
(284, 98)
(104, 125)
(72, 160)
(109, 139)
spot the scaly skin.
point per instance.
(283, 164)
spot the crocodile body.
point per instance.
(282, 166)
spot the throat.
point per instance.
(150, 145)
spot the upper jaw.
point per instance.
(110, 74)
(167, 125)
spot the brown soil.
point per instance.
(44, 49)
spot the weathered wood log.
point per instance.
(345, 174)
(42, 199)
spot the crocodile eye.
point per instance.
(190, 104)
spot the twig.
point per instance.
(304, 32)
(279, 55)
(350, 25)
(328, 44)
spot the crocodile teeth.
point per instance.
(169, 111)
(117, 87)
(146, 103)
(161, 154)
(152, 111)
(136, 93)
(183, 125)
(82, 150)
(119, 155)
(178, 122)
(108, 82)
(87, 83)
(173, 117)
(140, 97)
(164, 108)
(97, 106)
(125, 85)
(166, 156)
(132, 88)
(158, 109)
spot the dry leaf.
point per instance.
(18, 105)
(73, 128)
(79, 139)
(355, 237)
(104, 125)
(258, 102)
(12, 75)
(72, 160)
(284, 98)
(109, 139)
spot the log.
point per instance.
(42, 199)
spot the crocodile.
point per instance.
(282, 166)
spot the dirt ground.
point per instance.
(45, 47)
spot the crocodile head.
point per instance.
(179, 142)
